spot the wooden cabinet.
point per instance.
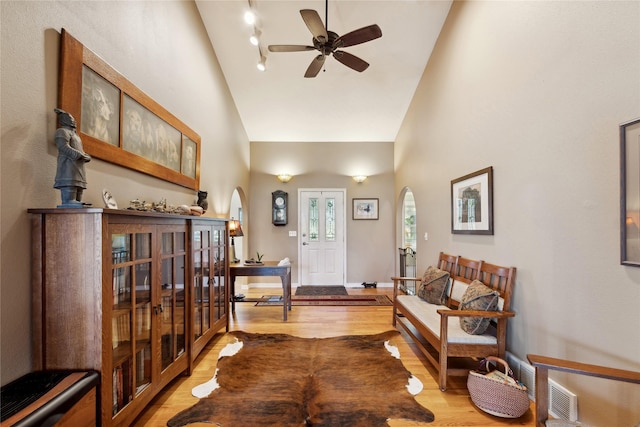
(130, 294)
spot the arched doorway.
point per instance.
(407, 239)
(409, 220)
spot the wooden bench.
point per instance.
(436, 328)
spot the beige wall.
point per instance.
(537, 90)
(163, 48)
(370, 257)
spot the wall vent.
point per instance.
(528, 378)
(514, 363)
(563, 404)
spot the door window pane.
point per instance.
(314, 223)
(330, 219)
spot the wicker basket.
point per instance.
(497, 393)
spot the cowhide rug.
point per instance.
(282, 380)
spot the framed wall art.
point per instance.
(630, 193)
(472, 203)
(365, 209)
(120, 124)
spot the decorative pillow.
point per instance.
(478, 297)
(434, 286)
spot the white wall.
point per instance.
(161, 47)
(537, 90)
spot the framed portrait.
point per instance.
(188, 157)
(100, 106)
(119, 123)
(472, 203)
(365, 209)
(630, 193)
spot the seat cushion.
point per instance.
(434, 286)
(478, 297)
(426, 314)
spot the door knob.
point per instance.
(304, 243)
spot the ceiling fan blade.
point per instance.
(315, 66)
(358, 36)
(315, 25)
(289, 48)
(350, 60)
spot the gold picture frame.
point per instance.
(120, 124)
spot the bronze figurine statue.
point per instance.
(70, 175)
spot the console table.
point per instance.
(268, 268)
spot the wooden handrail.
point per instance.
(543, 364)
(584, 369)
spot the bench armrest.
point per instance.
(397, 280)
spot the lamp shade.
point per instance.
(235, 230)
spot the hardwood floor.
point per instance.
(451, 408)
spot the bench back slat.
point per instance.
(448, 263)
(500, 279)
(466, 271)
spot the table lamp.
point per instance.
(235, 230)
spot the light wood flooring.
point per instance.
(451, 408)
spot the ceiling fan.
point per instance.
(327, 43)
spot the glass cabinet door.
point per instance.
(201, 281)
(210, 297)
(171, 308)
(131, 314)
(219, 296)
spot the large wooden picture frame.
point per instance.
(472, 203)
(630, 193)
(120, 124)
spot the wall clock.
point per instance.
(279, 207)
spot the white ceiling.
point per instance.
(339, 104)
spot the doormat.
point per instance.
(326, 300)
(321, 290)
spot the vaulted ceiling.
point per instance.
(339, 104)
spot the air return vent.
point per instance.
(563, 404)
(528, 378)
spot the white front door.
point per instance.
(322, 241)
